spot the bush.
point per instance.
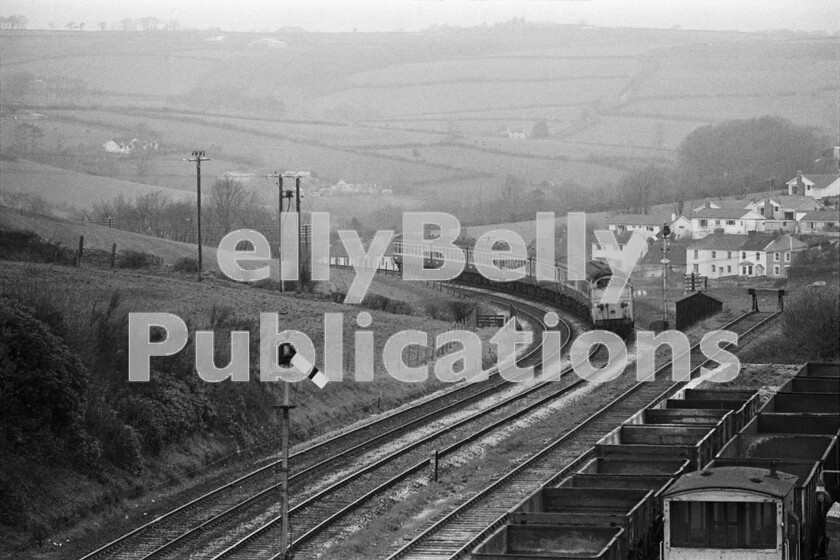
(135, 259)
(42, 382)
(20, 245)
(186, 264)
(811, 322)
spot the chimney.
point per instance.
(800, 186)
(773, 473)
(673, 217)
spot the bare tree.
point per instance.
(640, 188)
(229, 203)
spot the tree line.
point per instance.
(13, 22)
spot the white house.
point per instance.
(815, 185)
(731, 221)
(681, 227)
(113, 146)
(649, 225)
(120, 146)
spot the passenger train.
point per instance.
(583, 297)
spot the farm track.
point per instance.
(255, 490)
(455, 534)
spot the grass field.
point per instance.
(533, 169)
(65, 188)
(410, 99)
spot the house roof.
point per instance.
(718, 242)
(638, 220)
(725, 203)
(820, 181)
(757, 242)
(722, 213)
(786, 243)
(822, 216)
(749, 479)
(794, 201)
(676, 254)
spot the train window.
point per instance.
(760, 525)
(689, 525)
(723, 525)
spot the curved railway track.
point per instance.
(168, 535)
(458, 532)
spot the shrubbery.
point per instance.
(136, 259)
(185, 264)
(42, 382)
(21, 245)
(66, 396)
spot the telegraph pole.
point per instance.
(279, 244)
(198, 157)
(297, 209)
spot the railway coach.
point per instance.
(582, 297)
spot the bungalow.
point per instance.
(731, 221)
(120, 146)
(649, 225)
(819, 220)
(817, 186)
(126, 147)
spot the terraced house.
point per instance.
(757, 254)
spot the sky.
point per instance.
(414, 15)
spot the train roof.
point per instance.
(597, 269)
(747, 479)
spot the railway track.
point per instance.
(168, 535)
(457, 533)
(320, 517)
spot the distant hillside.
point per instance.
(446, 115)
